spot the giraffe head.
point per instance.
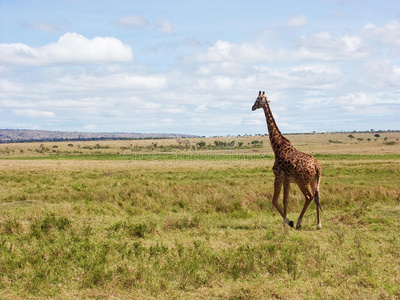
(260, 101)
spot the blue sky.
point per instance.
(196, 67)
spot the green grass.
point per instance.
(153, 229)
(356, 156)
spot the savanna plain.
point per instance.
(193, 219)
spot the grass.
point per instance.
(196, 229)
(321, 143)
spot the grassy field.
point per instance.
(131, 220)
(319, 143)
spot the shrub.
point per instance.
(201, 144)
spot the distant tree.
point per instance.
(230, 144)
(376, 135)
(201, 144)
(360, 139)
(351, 136)
(219, 144)
(368, 139)
(70, 145)
(257, 144)
(385, 139)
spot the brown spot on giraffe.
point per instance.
(291, 165)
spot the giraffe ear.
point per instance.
(259, 93)
(263, 93)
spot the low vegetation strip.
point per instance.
(195, 157)
(167, 157)
(346, 157)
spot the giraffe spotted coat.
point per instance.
(291, 165)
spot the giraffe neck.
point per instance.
(279, 143)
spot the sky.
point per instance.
(195, 67)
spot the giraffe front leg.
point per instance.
(277, 190)
(286, 188)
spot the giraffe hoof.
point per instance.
(291, 224)
(298, 226)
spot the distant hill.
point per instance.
(25, 135)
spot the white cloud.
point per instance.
(254, 119)
(290, 127)
(166, 121)
(223, 51)
(208, 92)
(132, 22)
(295, 21)
(388, 34)
(322, 46)
(138, 22)
(8, 86)
(34, 113)
(173, 110)
(220, 51)
(164, 26)
(355, 99)
(201, 108)
(90, 127)
(71, 48)
(98, 83)
(297, 77)
(326, 46)
(381, 74)
(223, 82)
(43, 26)
(314, 76)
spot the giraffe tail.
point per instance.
(316, 194)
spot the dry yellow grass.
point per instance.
(326, 143)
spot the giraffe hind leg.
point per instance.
(315, 190)
(308, 197)
(319, 209)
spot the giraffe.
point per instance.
(291, 165)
